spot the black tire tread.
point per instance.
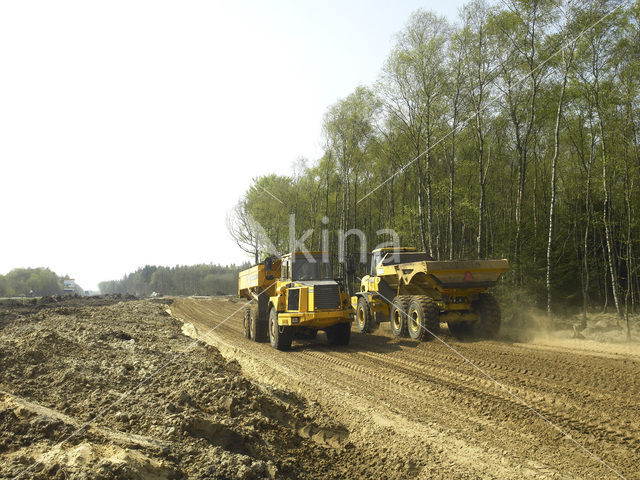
(488, 310)
(339, 334)
(400, 302)
(281, 340)
(429, 313)
(246, 319)
(367, 327)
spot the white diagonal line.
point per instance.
(268, 192)
(514, 395)
(492, 102)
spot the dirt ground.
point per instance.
(118, 388)
(166, 406)
(553, 407)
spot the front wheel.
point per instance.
(339, 334)
(260, 320)
(423, 317)
(489, 314)
(279, 336)
(364, 319)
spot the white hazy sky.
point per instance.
(129, 129)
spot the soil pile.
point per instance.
(166, 406)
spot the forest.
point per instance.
(178, 280)
(509, 133)
(40, 281)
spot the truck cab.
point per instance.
(297, 295)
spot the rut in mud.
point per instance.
(429, 413)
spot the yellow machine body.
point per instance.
(308, 300)
(453, 284)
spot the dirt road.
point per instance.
(431, 414)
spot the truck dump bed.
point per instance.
(456, 273)
(442, 275)
(256, 279)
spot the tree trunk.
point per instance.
(554, 163)
(606, 221)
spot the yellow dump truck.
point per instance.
(295, 295)
(415, 293)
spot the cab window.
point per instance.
(375, 260)
(285, 269)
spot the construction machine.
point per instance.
(415, 293)
(295, 295)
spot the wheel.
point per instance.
(460, 330)
(339, 334)
(364, 319)
(423, 317)
(490, 317)
(260, 320)
(280, 336)
(398, 315)
(246, 322)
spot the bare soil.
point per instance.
(554, 408)
(106, 389)
(160, 389)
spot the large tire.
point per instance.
(461, 330)
(260, 320)
(246, 322)
(339, 334)
(423, 317)
(364, 319)
(398, 315)
(490, 317)
(280, 336)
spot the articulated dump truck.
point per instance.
(295, 295)
(415, 293)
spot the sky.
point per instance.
(129, 129)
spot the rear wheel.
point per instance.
(460, 330)
(339, 334)
(489, 314)
(398, 315)
(423, 317)
(246, 322)
(364, 319)
(280, 336)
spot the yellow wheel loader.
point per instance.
(295, 295)
(415, 293)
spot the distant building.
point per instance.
(69, 286)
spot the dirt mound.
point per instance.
(166, 407)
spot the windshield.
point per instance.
(375, 260)
(311, 269)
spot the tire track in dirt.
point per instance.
(426, 387)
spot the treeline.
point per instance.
(511, 133)
(40, 281)
(178, 280)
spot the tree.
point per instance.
(412, 85)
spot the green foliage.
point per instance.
(501, 68)
(178, 280)
(21, 281)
